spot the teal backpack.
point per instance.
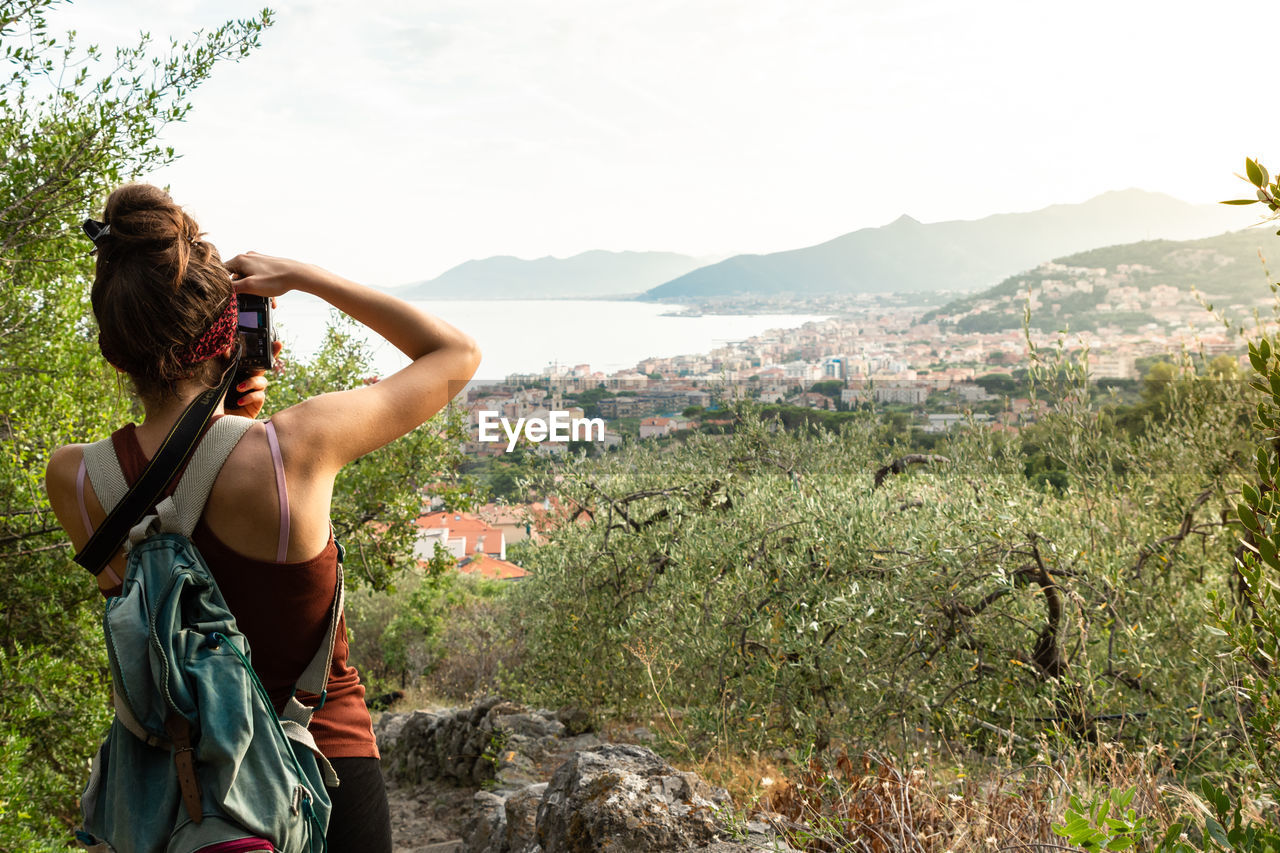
(196, 760)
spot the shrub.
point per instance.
(797, 588)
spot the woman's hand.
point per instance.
(265, 275)
(252, 391)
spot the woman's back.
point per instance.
(244, 509)
(166, 306)
(282, 606)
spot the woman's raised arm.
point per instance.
(334, 429)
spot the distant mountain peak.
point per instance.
(593, 273)
(907, 255)
(1139, 198)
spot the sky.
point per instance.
(390, 140)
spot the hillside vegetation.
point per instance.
(785, 590)
(815, 595)
(1117, 285)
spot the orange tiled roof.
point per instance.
(476, 531)
(491, 568)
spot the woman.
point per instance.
(164, 303)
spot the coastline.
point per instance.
(525, 336)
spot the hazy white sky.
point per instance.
(391, 140)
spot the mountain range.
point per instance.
(592, 274)
(910, 256)
(902, 257)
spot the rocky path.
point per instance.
(428, 816)
(500, 778)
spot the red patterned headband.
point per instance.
(213, 342)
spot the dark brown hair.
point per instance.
(156, 289)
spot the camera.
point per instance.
(255, 333)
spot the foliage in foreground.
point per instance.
(73, 124)
(786, 590)
(69, 132)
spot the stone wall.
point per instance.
(547, 786)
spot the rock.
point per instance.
(639, 734)
(482, 707)
(575, 720)
(522, 818)
(625, 798)
(601, 796)
(387, 730)
(486, 831)
(529, 725)
(451, 846)
(406, 739)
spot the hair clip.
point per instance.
(95, 230)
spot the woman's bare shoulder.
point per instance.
(61, 470)
(60, 486)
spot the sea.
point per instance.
(526, 336)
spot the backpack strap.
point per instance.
(296, 717)
(315, 678)
(105, 474)
(176, 449)
(181, 511)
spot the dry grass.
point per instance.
(417, 697)
(870, 803)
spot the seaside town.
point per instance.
(882, 352)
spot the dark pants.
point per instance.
(360, 821)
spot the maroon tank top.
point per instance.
(283, 611)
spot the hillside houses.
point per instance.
(480, 548)
(461, 534)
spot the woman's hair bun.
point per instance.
(157, 288)
(146, 222)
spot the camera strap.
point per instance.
(174, 452)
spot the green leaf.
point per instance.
(1240, 201)
(1077, 824)
(1267, 551)
(1256, 175)
(1122, 843)
(1273, 379)
(1215, 831)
